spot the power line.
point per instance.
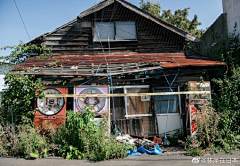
(22, 19)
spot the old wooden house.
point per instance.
(117, 44)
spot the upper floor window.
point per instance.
(109, 31)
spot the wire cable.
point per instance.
(170, 88)
(22, 20)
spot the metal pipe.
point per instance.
(12, 119)
(180, 109)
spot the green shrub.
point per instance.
(175, 138)
(194, 151)
(226, 102)
(80, 137)
(23, 141)
(207, 123)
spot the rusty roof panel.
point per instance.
(118, 64)
(170, 59)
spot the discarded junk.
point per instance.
(143, 145)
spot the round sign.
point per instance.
(97, 102)
(50, 105)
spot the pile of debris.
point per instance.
(143, 145)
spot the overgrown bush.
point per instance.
(227, 103)
(175, 138)
(207, 124)
(24, 141)
(82, 138)
(207, 135)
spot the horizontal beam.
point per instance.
(129, 94)
(137, 115)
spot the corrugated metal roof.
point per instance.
(167, 59)
(89, 65)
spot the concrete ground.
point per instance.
(165, 159)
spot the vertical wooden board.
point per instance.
(142, 106)
(131, 126)
(135, 105)
(148, 126)
(127, 126)
(119, 113)
(141, 127)
(152, 125)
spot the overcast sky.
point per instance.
(41, 16)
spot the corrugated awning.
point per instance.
(88, 65)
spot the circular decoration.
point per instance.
(98, 102)
(50, 105)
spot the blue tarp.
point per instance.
(154, 151)
(133, 153)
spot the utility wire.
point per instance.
(22, 19)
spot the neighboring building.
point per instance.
(216, 35)
(1, 86)
(232, 9)
(3, 70)
(115, 41)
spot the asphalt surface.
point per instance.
(144, 160)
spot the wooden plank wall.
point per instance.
(136, 106)
(74, 38)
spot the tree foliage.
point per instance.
(152, 7)
(178, 18)
(19, 97)
(23, 51)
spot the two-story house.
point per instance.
(117, 44)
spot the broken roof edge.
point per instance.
(165, 24)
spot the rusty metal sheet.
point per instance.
(181, 58)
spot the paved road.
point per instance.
(144, 160)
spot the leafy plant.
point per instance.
(194, 151)
(18, 98)
(207, 124)
(226, 92)
(24, 141)
(70, 152)
(81, 137)
(175, 138)
(23, 51)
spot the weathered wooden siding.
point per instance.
(75, 38)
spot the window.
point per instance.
(126, 30)
(104, 31)
(162, 103)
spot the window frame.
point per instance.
(177, 103)
(115, 36)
